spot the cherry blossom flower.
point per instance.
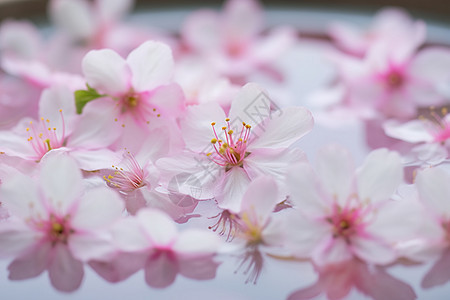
(429, 134)
(137, 90)
(166, 252)
(346, 213)
(55, 225)
(60, 129)
(388, 25)
(232, 40)
(390, 81)
(137, 179)
(224, 161)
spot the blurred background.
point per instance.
(434, 9)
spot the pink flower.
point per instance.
(388, 25)
(137, 179)
(137, 90)
(55, 224)
(232, 41)
(60, 129)
(392, 81)
(345, 214)
(225, 153)
(431, 134)
(165, 251)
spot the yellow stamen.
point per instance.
(214, 141)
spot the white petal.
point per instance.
(304, 190)
(21, 196)
(197, 242)
(252, 105)
(434, 190)
(91, 246)
(169, 99)
(413, 131)
(373, 251)
(379, 176)
(196, 126)
(96, 127)
(284, 128)
(331, 250)
(107, 71)
(336, 170)
(61, 181)
(91, 160)
(151, 65)
(160, 227)
(231, 189)
(260, 199)
(432, 64)
(128, 235)
(98, 209)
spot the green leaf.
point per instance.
(82, 97)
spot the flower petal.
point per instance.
(434, 190)
(65, 272)
(107, 71)
(160, 227)
(336, 171)
(373, 250)
(61, 181)
(100, 199)
(413, 131)
(231, 189)
(31, 264)
(196, 242)
(284, 128)
(151, 64)
(91, 246)
(379, 176)
(260, 199)
(161, 270)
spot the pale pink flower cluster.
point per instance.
(107, 157)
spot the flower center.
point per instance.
(56, 229)
(44, 137)
(438, 124)
(231, 150)
(345, 222)
(394, 79)
(128, 177)
(130, 101)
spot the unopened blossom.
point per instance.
(55, 225)
(164, 251)
(341, 213)
(59, 129)
(138, 90)
(226, 151)
(232, 40)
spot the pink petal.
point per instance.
(121, 267)
(284, 128)
(151, 65)
(96, 127)
(232, 188)
(65, 272)
(373, 250)
(434, 190)
(197, 128)
(158, 226)
(61, 181)
(106, 71)
(379, 176)
(200, 268)
(332, 250)
(243, 19)
(31, 264)
(169, 99)
(161, 270)
(413, 131)
(85, 247)
(91, 160)
(110, 11)
(260, 199)
(336, 170)
(439, 273)
(16, 238)
(101, 199)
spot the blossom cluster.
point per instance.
(116, 140)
